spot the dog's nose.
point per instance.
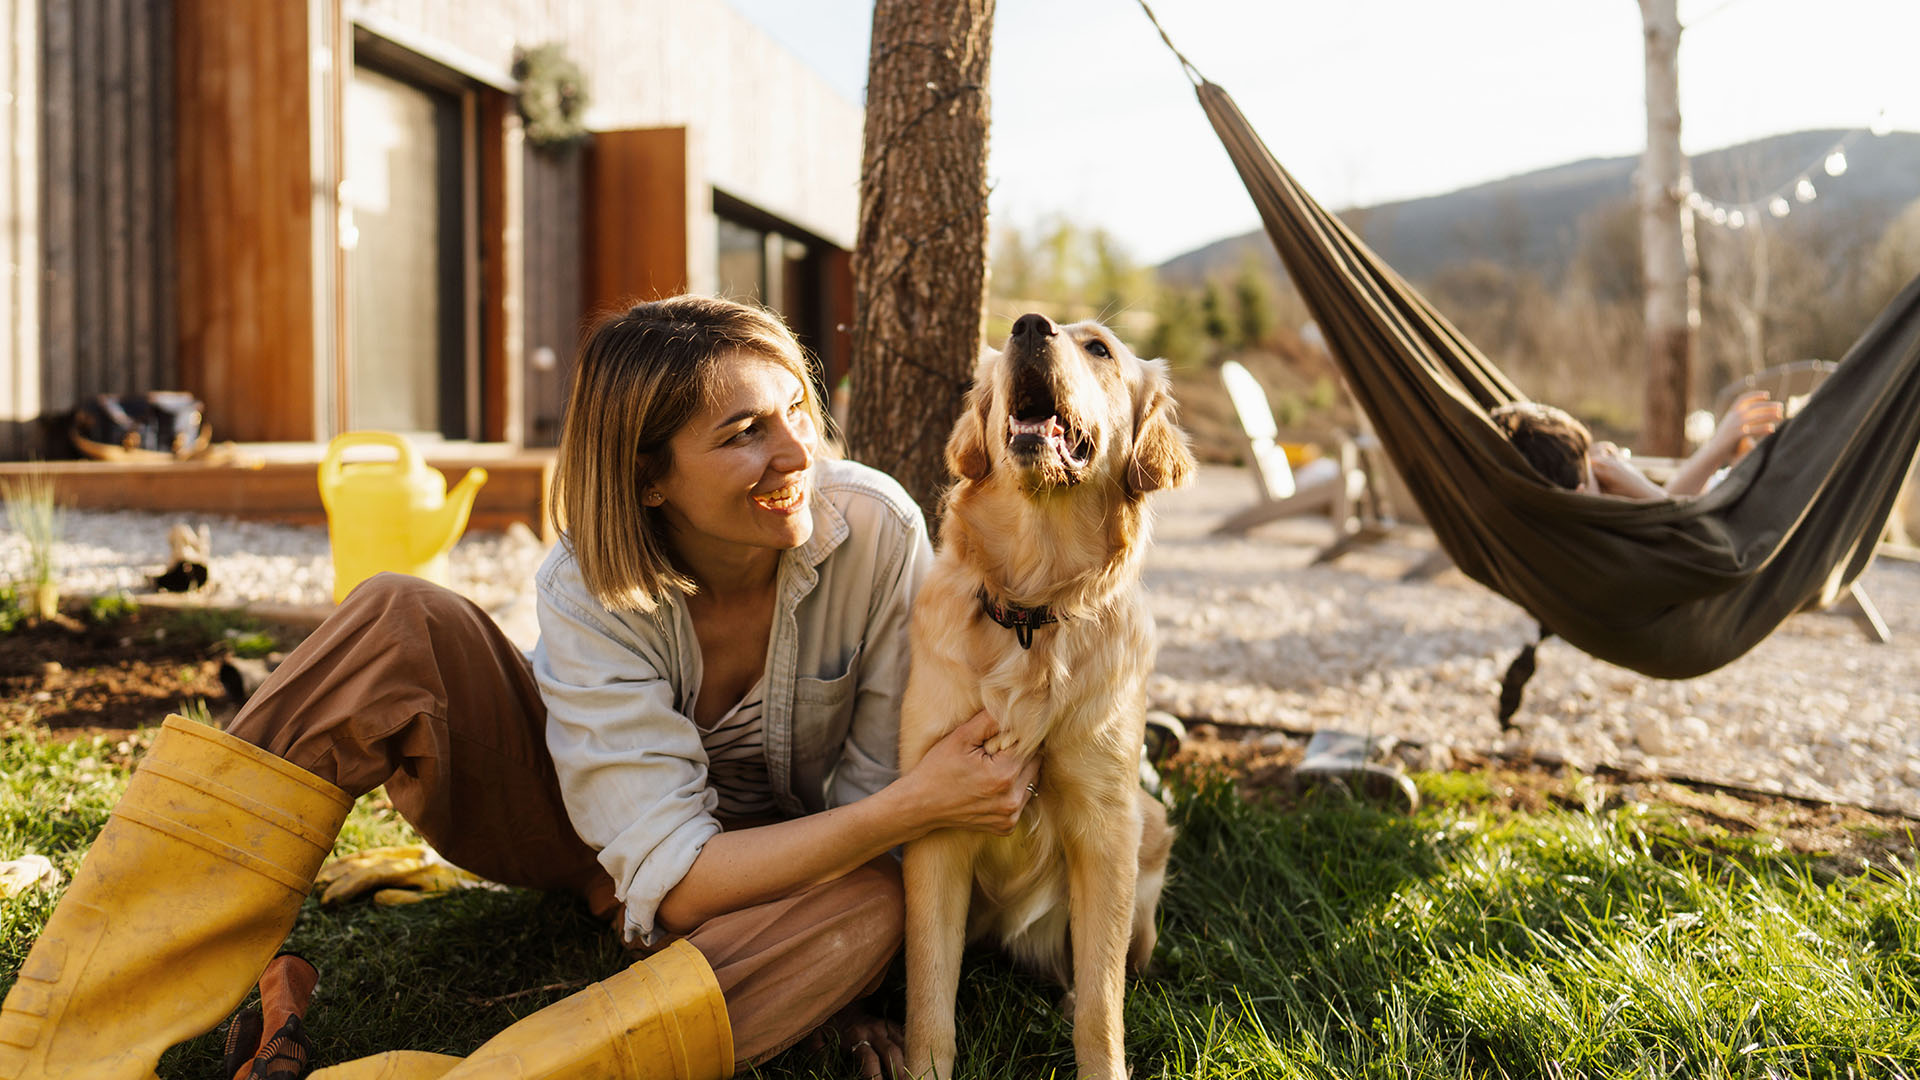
(1034, 325)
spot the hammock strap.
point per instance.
(1515, 683)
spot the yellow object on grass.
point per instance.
(661, 1019)
(402, 874)
(390, 515)
(27, 872)
(184, 897)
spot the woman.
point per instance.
(723, 585)
(1562, 450)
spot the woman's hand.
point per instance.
(1752, 416)
(958, 785)
(1614, 474)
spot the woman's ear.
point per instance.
(1160, 457)
(967, 455)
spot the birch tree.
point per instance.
(1667, 254)
(920, 258)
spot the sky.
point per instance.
(1371, 101)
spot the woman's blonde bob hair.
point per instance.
(642, 375)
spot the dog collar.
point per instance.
(1020, 620)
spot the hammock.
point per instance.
(1670, 588)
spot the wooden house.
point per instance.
(326, 215)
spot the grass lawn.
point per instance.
(1588, 931)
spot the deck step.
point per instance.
(258, 489)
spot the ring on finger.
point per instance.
(862, 1044)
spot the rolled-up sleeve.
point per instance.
(870, 760)
(632, 771)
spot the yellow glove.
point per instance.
(405, 874)
(27, 872)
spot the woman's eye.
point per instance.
(1099, 349)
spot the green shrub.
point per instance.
(252, 643)
(111, 608)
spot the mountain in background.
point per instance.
(1538, 220)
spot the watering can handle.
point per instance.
(330, 463)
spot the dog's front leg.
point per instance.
(938, 870)
(1102, 865)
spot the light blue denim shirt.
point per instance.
(620, 688)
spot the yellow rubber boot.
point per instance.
(661, 1019)
(174, 912)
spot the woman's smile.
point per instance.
(784, 500)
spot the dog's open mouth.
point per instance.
(1036, 435)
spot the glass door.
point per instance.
(405, 370)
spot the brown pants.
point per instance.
(412, 686)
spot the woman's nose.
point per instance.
(797, 441)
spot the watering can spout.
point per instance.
(442, 528)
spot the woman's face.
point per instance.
(741, 469)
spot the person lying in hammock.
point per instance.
(1561, 449)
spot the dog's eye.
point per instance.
(1099, 349)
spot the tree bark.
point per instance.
(1666, 241)
(920, 259)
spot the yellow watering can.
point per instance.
(390, 515)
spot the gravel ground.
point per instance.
(1252, 635)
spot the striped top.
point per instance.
(737, 759)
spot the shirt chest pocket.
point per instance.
(823, 711)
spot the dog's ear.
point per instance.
(1160, 458)
(967, 455)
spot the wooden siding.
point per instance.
(499, 382)
(19, 227)
(555, 291)
(245, 225)
(106, 208)
(835, 343)
(637, 206)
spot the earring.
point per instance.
(654, 498)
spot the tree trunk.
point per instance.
(920, 261)
(1666, 240)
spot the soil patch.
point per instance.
(101, 669)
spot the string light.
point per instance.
(1780, 201)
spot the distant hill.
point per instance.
(1535, 220)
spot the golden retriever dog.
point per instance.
(1033, 611)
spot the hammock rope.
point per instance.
(1670, 588)
(1192, 73)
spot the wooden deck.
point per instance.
(280, 484)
